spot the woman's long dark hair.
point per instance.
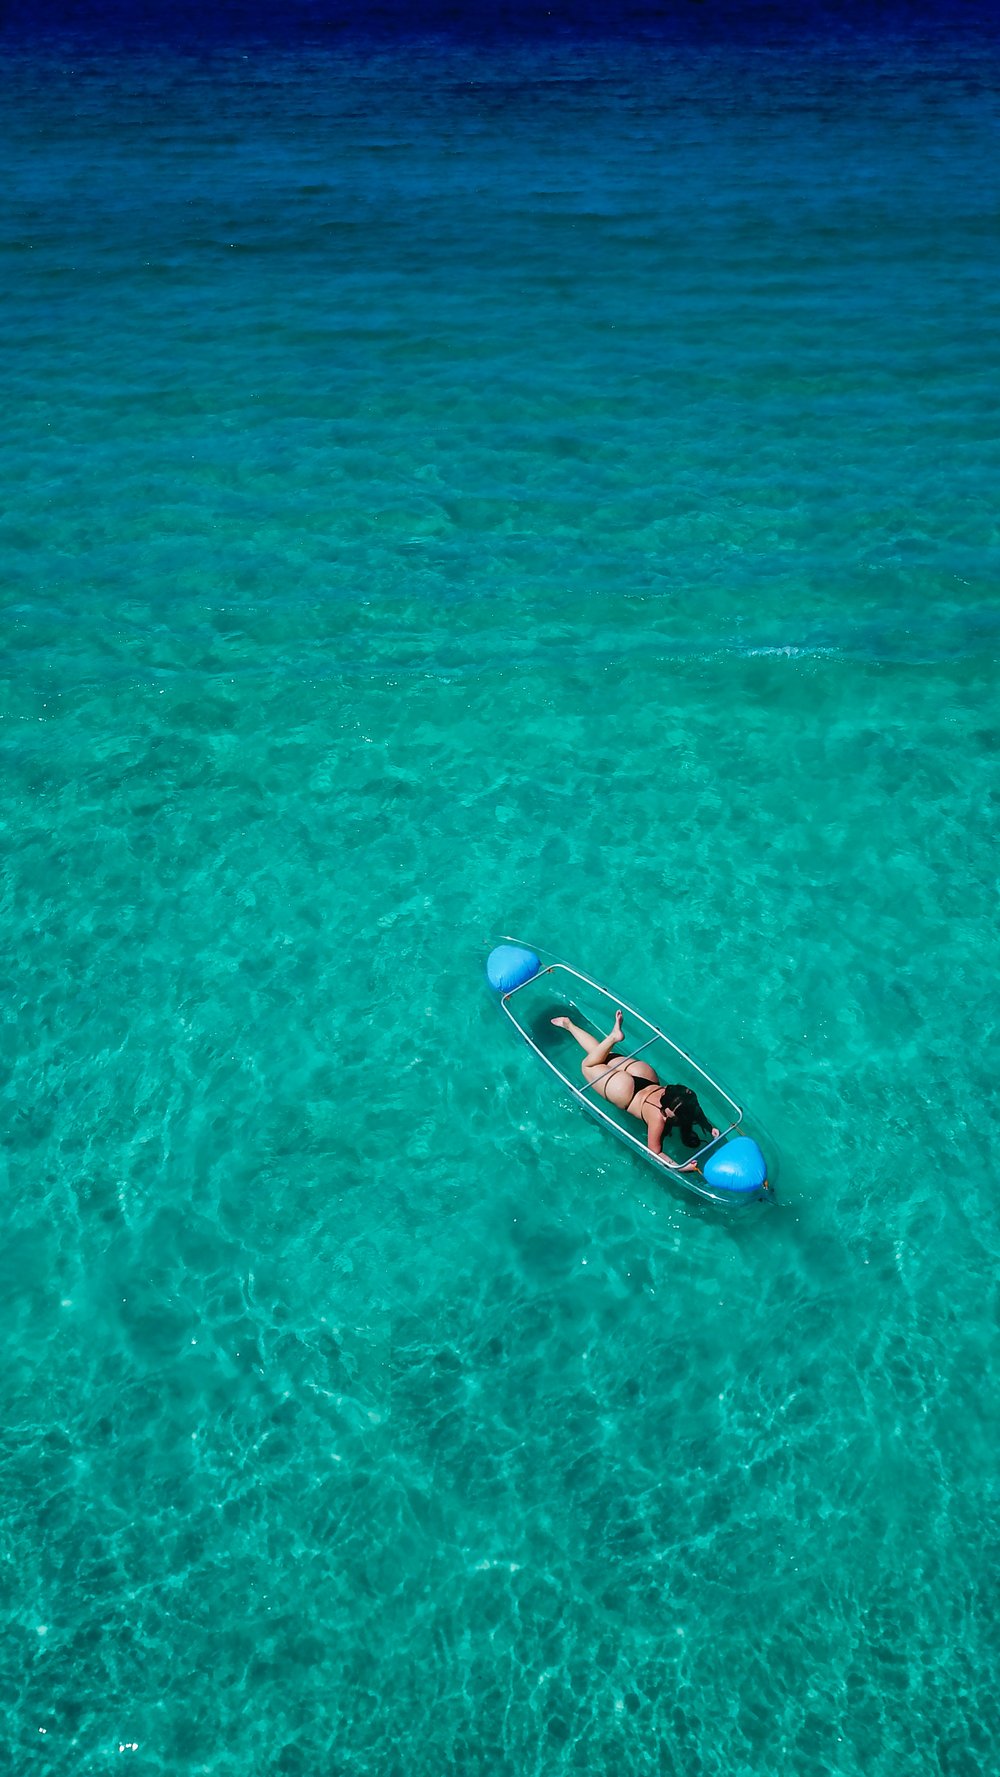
(687, 1113)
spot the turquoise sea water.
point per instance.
(446, 490)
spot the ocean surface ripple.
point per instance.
(452, 489)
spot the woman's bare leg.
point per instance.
(598, 1049)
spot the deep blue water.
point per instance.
(463, 483)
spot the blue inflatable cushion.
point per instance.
(510, 966)
(738, 1166)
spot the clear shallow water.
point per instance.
(446, 490)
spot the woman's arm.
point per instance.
(700, 1121)
(655, 1131)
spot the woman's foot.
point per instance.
(562, 1023)
(618, 1033)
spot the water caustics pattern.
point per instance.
(450, 487)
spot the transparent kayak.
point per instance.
(557, 988)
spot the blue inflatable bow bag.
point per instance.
(738, 1166)
(510, 966)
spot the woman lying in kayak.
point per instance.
(632, 1086)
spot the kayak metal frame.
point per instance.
(594, 1108)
